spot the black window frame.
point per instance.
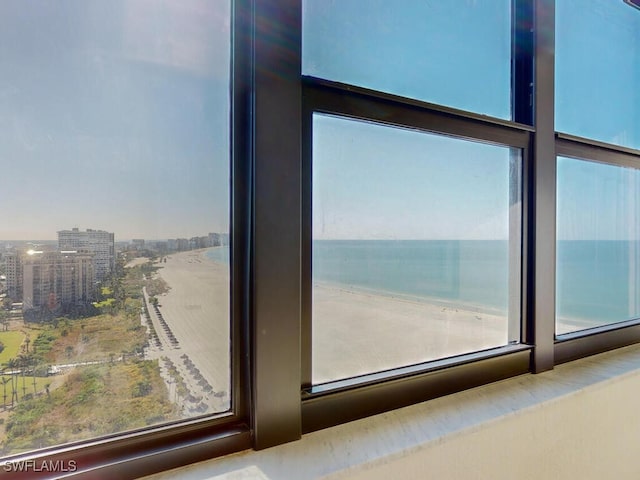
(273, 401)
(582, 343)
(336, 402)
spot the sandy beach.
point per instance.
(356, 332)
(197, 310)
(353, 332)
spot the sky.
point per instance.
(597, 201)
(385, 183)
(379, 182)
(114, 116)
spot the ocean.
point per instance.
(597, 281)
(219, 254)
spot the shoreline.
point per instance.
(196, 308)
(355, 330)
(437, 301)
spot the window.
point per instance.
(115, 119)
(416, 237)
(597, 75)
(597, 244)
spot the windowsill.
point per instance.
(575, 415)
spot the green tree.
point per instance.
(4, 319)
(7, 303)
(24, 362)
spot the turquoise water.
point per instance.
(596, 280)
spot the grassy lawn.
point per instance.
(12, 341)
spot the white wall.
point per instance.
(580, 421)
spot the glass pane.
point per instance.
(598, 266)
(114, 127)
(416, 247)
(444, 52)
(597, 74)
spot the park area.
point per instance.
(70, 379)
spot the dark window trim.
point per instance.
(399, 373)
(582, 149)
(542, 190)
(275, 294)
(572, 346)
(134, 454)
(339, 406)
(329, 97)
(522, 54)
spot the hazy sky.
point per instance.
(380, 182)
(114, 116)
(597, 201)
(372, 181)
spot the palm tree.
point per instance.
(23, 362)
(34, 363)
(5, 380)
(12, 365)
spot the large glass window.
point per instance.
(440, 52)
(598, 70)
(416, 247)
(114, 143)
(598, 255)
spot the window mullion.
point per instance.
(543, 233)
(276, 119)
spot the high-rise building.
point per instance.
(57, 279)
(13, 267)
(98, 242)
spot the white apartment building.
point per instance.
(98, 242)
(54, 279)
(13, 267)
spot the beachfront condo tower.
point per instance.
(98, 242)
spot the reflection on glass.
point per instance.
(598, 254)
(441, 52)
(597, 74)
(115, 194)
(416, 247)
